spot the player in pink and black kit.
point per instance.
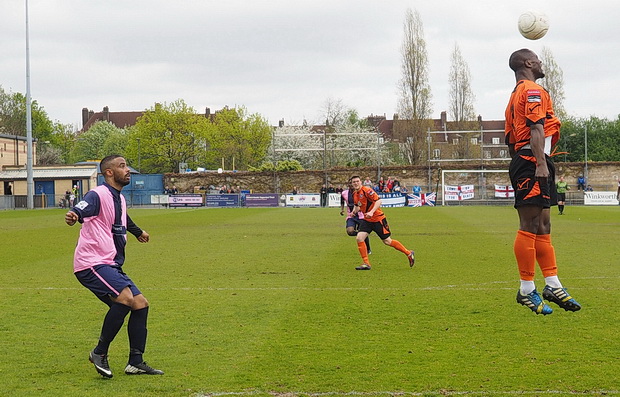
(98, 260)
(353, 221)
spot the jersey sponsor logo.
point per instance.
(81, 205)
(534, 96)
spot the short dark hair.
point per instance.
(353, 177)
(105, 163)
(518, 57)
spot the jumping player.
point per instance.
(531, 130)
(368, 203)
(352, 221)
(98, 265)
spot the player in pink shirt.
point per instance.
(98, 261)
(352, 221)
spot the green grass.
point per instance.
(259, 301)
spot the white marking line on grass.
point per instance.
(404, 393)
(465, 287)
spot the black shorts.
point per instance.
(381, 228)
(562, 197)
(354, 222)
(528, 190)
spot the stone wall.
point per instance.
(601, 175)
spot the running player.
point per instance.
(531, 130)
(97, 264)
(352, 221)
(368, 203)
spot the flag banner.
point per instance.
(504, 191)
(458, 193)
(420, 199)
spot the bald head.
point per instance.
(518, 58)
(526, 65)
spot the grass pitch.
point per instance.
(267, 302)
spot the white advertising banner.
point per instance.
(303, 200)
(600, 198)
(333, 200)
(458, 193)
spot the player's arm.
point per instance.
(375, 206)
(341, 204)
(537, 142)
(87, 207)
(140, 234)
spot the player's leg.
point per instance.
(105, 283)
(353, 226)
(137, 331)
(385, 235)
(554, 291)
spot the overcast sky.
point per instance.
(284, 58)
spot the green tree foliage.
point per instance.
(167, 135)
(602, 136)
(101, 139)
(13, 117)
(238, 138)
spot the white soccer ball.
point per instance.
(533, 25)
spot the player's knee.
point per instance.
(139, 302)
(351, 232)
(387, 241)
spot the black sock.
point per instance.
(561, 207)
(367, 241)
(112, 323)
(136, 329)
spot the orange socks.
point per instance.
(525, 252)
(361, 246)
(545, 255)
(396, 244)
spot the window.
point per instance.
(455, 141)
(474, 141)
(503, 153)
(436, 153)
(496, 141)
(487, 154)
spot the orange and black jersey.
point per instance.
(365, 199)
(529, 104)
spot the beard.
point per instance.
(122, 181)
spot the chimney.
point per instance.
(207, 112)
(91, 113)
(395, 117)
(106, 113)
(281, 123)
(85, 116)
(479, 118)
(444, 119)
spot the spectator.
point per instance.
(581, 183)
(174, 190)
(381, 184)
(331, 189)
(323, 193)
(367, 182)
(417, 189)
(389, 185)
(339, 189)
(588, 189)
(295, 190)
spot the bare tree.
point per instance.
(461, 107)
(553, 81)
(415, 93)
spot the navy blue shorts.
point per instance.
(105, 281)
(354, 223)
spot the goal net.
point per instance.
(476, 187)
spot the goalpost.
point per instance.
(488, 186)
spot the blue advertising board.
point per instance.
(222, 200)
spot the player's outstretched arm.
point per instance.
(70, 218)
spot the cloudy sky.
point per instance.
(284, 58)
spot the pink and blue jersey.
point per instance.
(103, 236)
(347, 199)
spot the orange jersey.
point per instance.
(365, 198)
(529, 104)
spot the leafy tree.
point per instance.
(602, 136)
(415, 91)
(13, 116)
(238, 138)
(101, 139)
(553, 81)
(167, 135)
(461, 107)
